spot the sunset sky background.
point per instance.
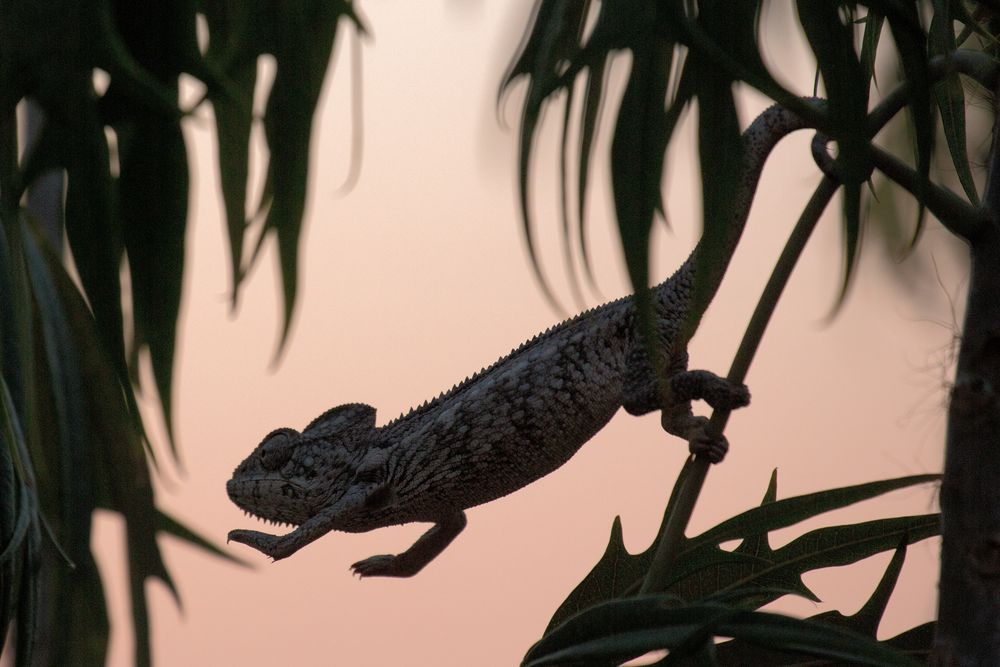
(418, 277)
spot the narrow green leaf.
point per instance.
(551, 42)
(720, 151)
(80, 615)
(869, 45)
(832, 43)
(949, 96)
(911, 43)
(567, 230)
(302, 63)
(747, 67)
(28, 604)
(19, 557)
(592, 103)
(119, 454)
(637, 157)
(234, 46)
(109, 52)
(154, 204)
(70, 451)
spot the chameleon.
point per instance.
(504, 427)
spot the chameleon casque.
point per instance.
(499, 430)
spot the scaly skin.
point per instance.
(498, 431)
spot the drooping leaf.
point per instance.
(832, 43)
(720, 151)
(589, 122)
(153, 182)
(552, 42)
(911, 43)
(119, 454)
(301, 38)
(19, 558)
(744, 64)
(68, 448)
(567, 229)
(236, 41)
(637, 158)
(869, 45)
(949, 96)
(301, 69)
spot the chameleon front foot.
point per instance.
(702, 443)
(423, 551)
(695, 431)
(384, 565)
(262, 542)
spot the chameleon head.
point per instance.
(291, 476)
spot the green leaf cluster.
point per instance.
(713, 592)
(684, 52)
(85, 293)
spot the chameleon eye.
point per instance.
(277, 448)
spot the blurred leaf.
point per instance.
(234, 45)
(153, 183)
(869, 45)
(616, 631)
(301, 69)
(567, 229)
(72, 456)
(19, 556)
(301, 40)
(619, 572)
(637, 152)
(949, 96)
(122, 466)
(154, 190)
(552, 42)
(911, 43)
(832, 43)
(720, 148)
(116, 57)
(592, 103)
(18, 562)
(738, 58)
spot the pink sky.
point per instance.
(417, 278)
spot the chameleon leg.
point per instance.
(282, 546)
(423, 551)
(719, 393)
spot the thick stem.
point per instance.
(692, 477)
(968, 631)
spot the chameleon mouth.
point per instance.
(273, 522)
(246, 494)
